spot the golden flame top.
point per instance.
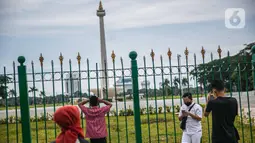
(100, 6)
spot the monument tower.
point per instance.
(101, 14)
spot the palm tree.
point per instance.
(176, 82)
(32, 89)
(42, 93)
(12, 93)
(185, 81)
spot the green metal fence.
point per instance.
(146, 96)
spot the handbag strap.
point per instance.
(191, 106)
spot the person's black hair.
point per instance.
(93, 101)
(218, 85)
(187, 94)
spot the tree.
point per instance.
(3, 87)
(230, 69)
(185, 81)
(12, 93)
(42, 94)
(32, 89)
(176, 82)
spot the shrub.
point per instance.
(130, 112)
(122, 113)
(151, 110)
(142, 111)
(177, 108)
(160, 110)
(168, 109)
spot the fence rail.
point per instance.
(146, 113)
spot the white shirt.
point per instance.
(192, 125)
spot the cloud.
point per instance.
(18, 17)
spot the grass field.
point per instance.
(122, 130)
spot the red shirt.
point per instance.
(95, 121)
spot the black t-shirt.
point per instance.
(224, 111)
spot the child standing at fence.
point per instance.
(68, 118)
(95, 119)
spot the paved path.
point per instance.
(160, 103)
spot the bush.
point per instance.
(168, 109)
(142, 111)
(177, 108)
(160, 110)
(122, 113)
(151, 110)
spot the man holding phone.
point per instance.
(224, 110)
(190, 116)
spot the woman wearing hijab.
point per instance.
(68, 118)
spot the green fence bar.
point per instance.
(169, 53)
(106, 93)
(213, 68)
(187, 64)
(125, 104)
(247, 93)
(253, 63)
(229, 70)
(44, 102)
(80, 90)
(71, 79)
(116, 98)
(179, 78)
(24, 106)
(54, 93)
(195, 68)
(6, 107)
(204, 82)
(164, 94)
(61, 58)
(34, 89)
(219, 52)
(155, 90)
(147, 100)
(15, 100)
(137, 118)
(240, 100)
(97, 76)
(88, 77)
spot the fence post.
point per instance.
(253, 63)
(136, 101)
(25, 116)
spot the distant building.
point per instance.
(71, 85)
(127, 84)
(144, 84)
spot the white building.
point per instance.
(71, 85)
(127, 83)
(144, 84)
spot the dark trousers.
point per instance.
(101, 140)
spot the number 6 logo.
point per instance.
(235, 18)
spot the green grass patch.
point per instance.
(119, 129)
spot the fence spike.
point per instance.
(113, 56)
(41, 59)
(203, 52)
(79, 58)
(219, 51)
(152, 54)
(169, 53)
(186, 52)
(61, 58)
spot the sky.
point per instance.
(31, 27)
